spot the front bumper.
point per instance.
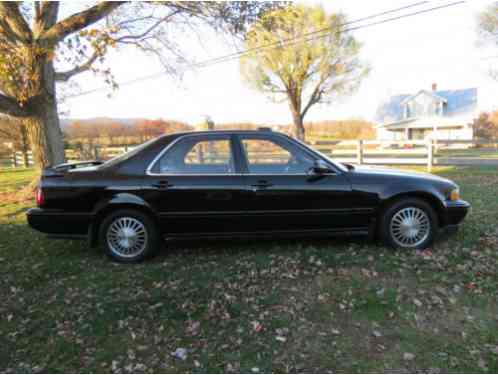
(455, 212)
(59, 223)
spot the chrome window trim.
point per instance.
(305, 148)
(236, 174)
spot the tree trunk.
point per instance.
(43, 127)
(298, 128)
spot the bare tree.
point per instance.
(34, 41)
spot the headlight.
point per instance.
(455, 194)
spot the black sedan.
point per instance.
(237, 184)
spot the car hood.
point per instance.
(395, 173)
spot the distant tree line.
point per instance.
(330, 129)
(115, 133)
(107, 132)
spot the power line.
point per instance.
(236, 55)
(354, 28)
(302, 38)
(320, 31)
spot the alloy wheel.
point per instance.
(410, 227)
(127, 237)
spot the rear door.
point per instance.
(283, 194)
(196, 186)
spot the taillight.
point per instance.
(40, 199)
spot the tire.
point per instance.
(129, 236)
(409, 224)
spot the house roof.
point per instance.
(431, 93)
(457, 102)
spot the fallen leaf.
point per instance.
(180, 353)
(193, 328)
(408, 356)
(256, 326)
(376, 334)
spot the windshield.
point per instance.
(118, 159)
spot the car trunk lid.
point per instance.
(61, 169)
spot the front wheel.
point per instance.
(409, 224)
(129, 236)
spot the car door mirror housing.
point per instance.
(320, 167)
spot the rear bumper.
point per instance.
(455, 212)
(58, 223)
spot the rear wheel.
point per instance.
(129, 236)
(409, 224)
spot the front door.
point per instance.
(282, 193)
(196, 187)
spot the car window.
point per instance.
(197, 156)
(265, 156)
(127, 155)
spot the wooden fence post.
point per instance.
(359, 152)
(14, 160)
(430, 155)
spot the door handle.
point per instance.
(162, 184)
(262, 184)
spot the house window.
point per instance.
(408, 110)
(440, 108)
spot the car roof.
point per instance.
(222, 132)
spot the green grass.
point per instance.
(13, 179)
(341, 305)
(491, 153)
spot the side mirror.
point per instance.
(320, 167)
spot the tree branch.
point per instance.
(7, 33)
(64, 76)
(315, 96)
(11, 107)
(79, 21)
(9, 12)
(149, 30)
(45, 17)
(37, 9)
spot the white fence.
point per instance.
(18, 159)
(424, 152)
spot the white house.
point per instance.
(428, 114)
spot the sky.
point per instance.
(405, 56)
